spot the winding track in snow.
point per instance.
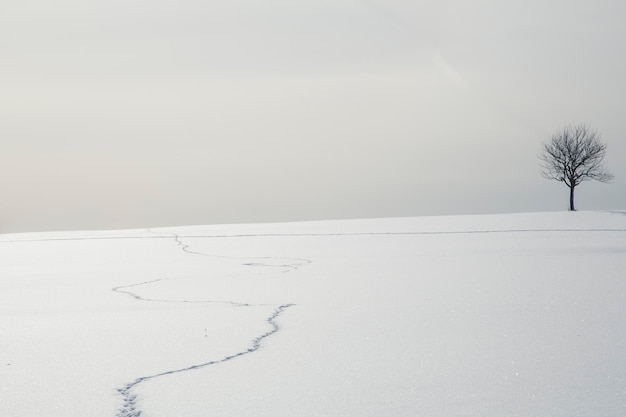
(287, 267)
(129, 406)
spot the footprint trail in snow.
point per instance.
(129, 406)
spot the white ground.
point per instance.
(499, 315)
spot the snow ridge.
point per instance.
(130, 407)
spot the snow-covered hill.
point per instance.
(497, 315)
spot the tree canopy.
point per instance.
(574, 154)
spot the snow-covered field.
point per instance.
(498, 315)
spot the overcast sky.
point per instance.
(137, 113)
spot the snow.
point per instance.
(516, 315)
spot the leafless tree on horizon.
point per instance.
(574, 154)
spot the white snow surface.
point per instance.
(494, 315)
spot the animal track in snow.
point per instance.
(129, 406)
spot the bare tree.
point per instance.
(573, 155)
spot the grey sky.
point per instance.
(118, 114)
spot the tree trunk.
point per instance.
(571, 199)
